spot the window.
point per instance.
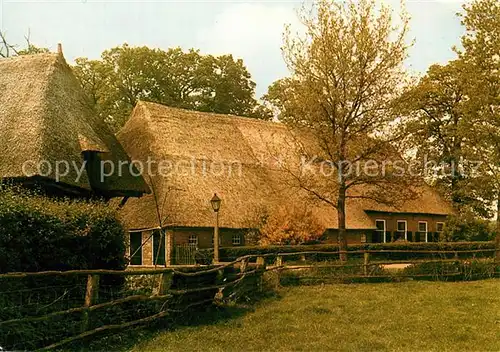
(158, 241)
(135, 248)
(236, 240)
(380, 231)
(193, 240)
(422, 229)
(401, 233)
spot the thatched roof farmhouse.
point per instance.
(46, 119)
(246, 177)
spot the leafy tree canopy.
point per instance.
(190, 80)
(346, 71)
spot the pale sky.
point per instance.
(251, 30)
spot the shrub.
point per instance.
(231, 253)
(40, 234)
(290, 226)
(468, 228)
(460, 270)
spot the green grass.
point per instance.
(410, 316)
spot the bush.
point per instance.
(232, 253)
(453, 271)
(290, 226)
(468, 228)
(41, 234)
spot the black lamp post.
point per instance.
(215, 202)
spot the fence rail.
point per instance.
(47, 310)
(105, 300)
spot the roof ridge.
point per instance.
(29, 57)
(214, 114)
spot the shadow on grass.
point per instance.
(207, 315)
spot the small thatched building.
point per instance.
(50, 136)
(192, 155)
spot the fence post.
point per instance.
(91, 295)
(261, 265)
(164, 283)
(243, 265)
(302, 257)
(260, 261)
(279, 260)
(366, 261)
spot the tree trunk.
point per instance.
(497, 236)
(342, 230)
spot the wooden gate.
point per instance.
(184, 254)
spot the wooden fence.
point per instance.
(48, 310)
(371, 266)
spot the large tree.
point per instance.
(453, 115)
(173, 77)
(438, 130)
(346, 71)
(481, 55)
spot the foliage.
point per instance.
(232, 253)
(468, 228)
(346, 71)
(188, 80)
(40, 234)
(290, 226)
(438, 127)
(454, 271)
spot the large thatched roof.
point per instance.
(190, 141)
(45, 118)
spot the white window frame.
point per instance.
(142, 248)
(385, 228)
(236, 243)
(426, 229)
(406, 227)
(189, 240)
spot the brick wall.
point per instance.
(205, 235)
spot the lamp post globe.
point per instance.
(215, 202)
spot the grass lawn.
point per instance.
(411, 316)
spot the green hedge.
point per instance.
(231, 253)
(38, 233)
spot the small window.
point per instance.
(135, 248)
(422, 228)
(158, 254)
(401, 226)
(193, 240)
(380, 235)
(439, 226)
(401, 234)
(380, 225)
(236, 240)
